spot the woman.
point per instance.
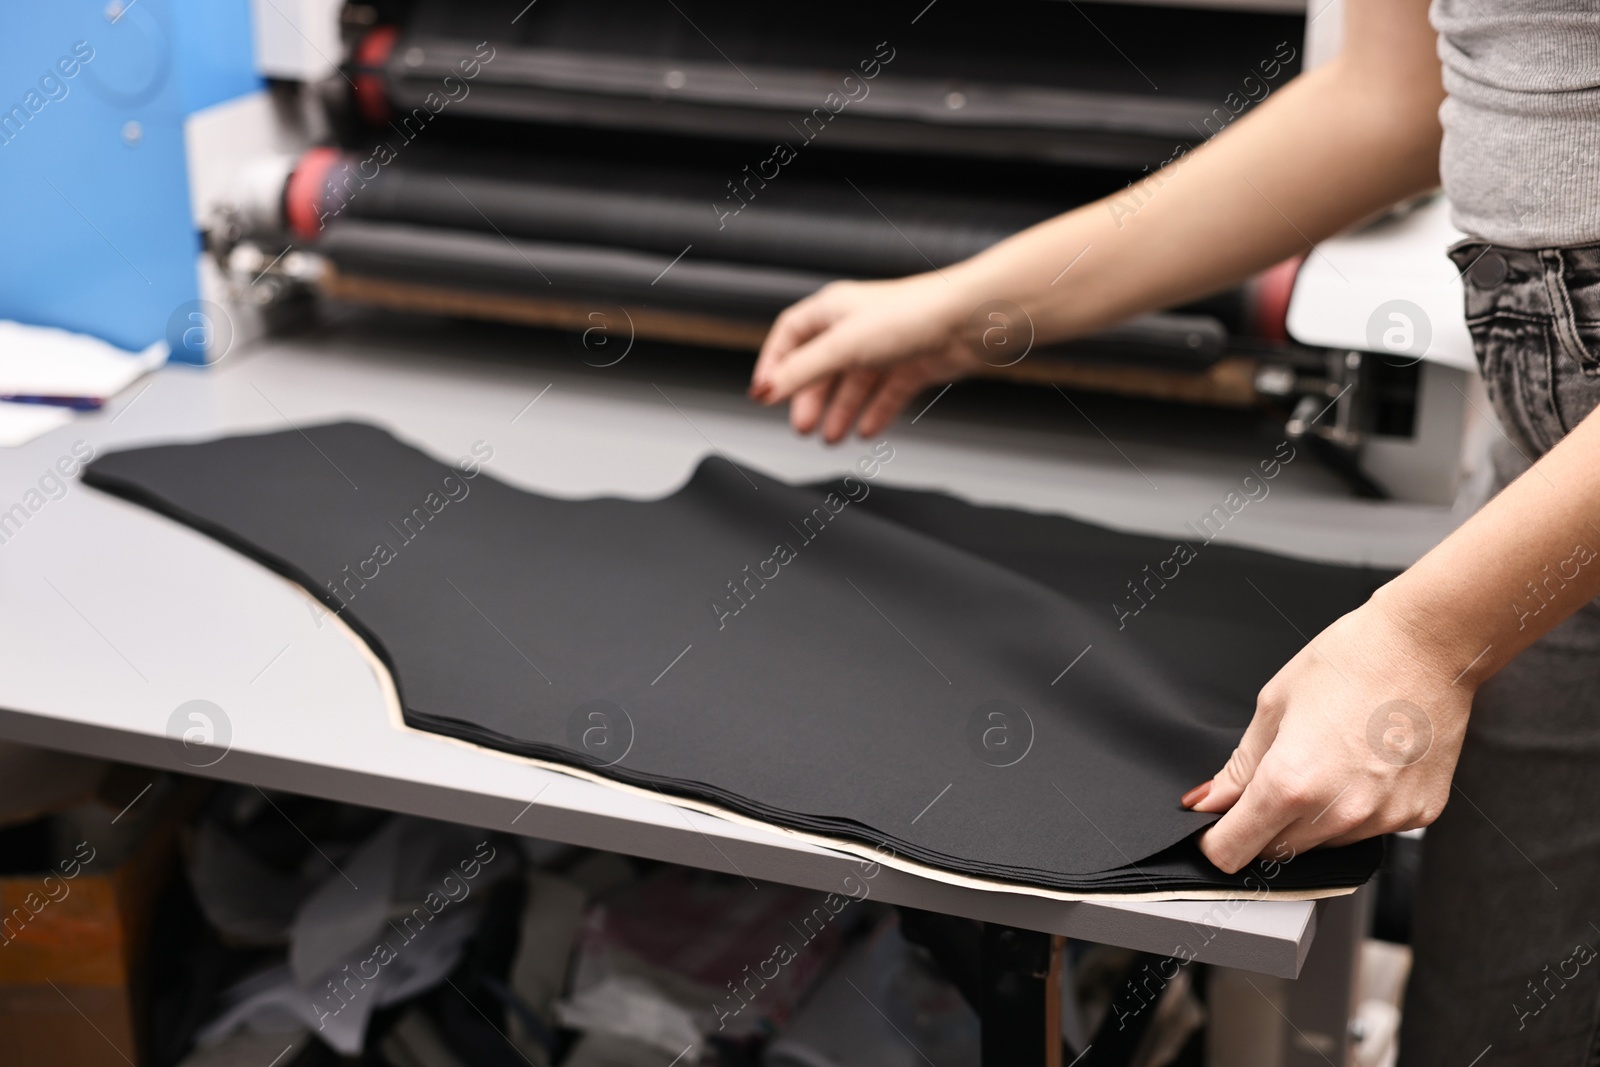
(1491, 639)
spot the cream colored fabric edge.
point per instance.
(852, 849)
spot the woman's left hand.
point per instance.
(1356, 736)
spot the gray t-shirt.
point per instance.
(1521, 155)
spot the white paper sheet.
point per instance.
(40, 361)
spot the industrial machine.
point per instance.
(634, 169)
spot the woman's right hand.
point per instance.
(856, 353)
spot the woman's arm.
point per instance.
(1327, 150)
(1358, 735)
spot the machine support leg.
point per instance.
(1322, 999)
(1020, 976)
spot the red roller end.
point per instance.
(372, 55)
(1269, 300)
(303, 198)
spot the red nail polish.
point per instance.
(1196, 795)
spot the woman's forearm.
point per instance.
(1327, 150)
(1524, 562)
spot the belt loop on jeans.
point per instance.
(1563, 318)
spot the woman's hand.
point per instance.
(856, 353)
(1358, 735)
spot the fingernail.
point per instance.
(1197, 794)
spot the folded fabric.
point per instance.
(966, 687)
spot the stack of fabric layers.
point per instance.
(964, 687)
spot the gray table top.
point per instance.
(114, 617)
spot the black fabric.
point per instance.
(844, 692)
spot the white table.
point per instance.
(113, 616)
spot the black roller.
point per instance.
(1025, 79)
(461, 259)
(840, 228)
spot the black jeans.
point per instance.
(1507, 927)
